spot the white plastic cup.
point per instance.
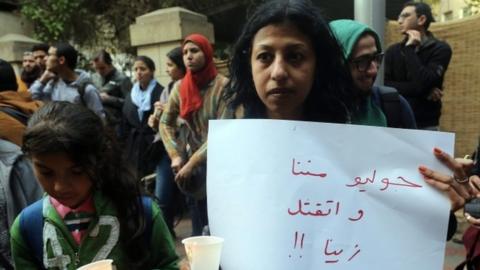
(203, 252)
(98, 265)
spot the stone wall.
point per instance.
(461, 100)
(12, 23)
(155, 34)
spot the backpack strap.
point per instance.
(391, 106)
(147, 208)
(81, 88)
(18, 115)
(31, 228)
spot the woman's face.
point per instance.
(283, 64)
(62, 179)
(173, 71)
(142, 73)
(193, 57)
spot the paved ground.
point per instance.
(454, 253)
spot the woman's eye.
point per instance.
(77, 171)
(264, 57)
(45, 172)
(295, 57)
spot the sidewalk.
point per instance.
(454, 253)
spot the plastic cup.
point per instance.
(98, 265)
(203, 252)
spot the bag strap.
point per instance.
(18, 115)
(391, 107)
(31, 227)
(81, 88)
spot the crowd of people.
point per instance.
(86, 141)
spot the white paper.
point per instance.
(269, 200)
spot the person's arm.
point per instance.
(42, 88)
(458, 186)
(124, 86)
(15, 130)
(22, 255)
(405, 88)
(109, 99)
(162, 246)
(92, 100)
(216, 109)
(429, 75)
(168, 125)
(423, 77)
(40, 91)
(455, 187)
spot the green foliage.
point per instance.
(88, 23)
(53, 18)
(474, 5)
(94, 24)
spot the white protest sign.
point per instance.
(296, 195)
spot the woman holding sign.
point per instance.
(288, 65)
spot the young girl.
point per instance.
(93, 209)
(165, 188)
(196, 99)
(138, 106)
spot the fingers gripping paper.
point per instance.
(297, 195)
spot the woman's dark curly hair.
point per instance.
(63, 127)
(331, 97)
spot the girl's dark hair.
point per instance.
(176, 55)
(147, 60)
(331, 96)
(63, 127)
(8, 80)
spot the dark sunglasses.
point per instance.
(362, 63)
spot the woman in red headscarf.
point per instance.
(195, 99)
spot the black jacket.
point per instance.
(118, 87)
(137, 135)
(414, 73)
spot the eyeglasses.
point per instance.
(363, 62)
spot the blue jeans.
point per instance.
(166, 189)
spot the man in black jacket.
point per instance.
(417, 65)
(114, 87)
